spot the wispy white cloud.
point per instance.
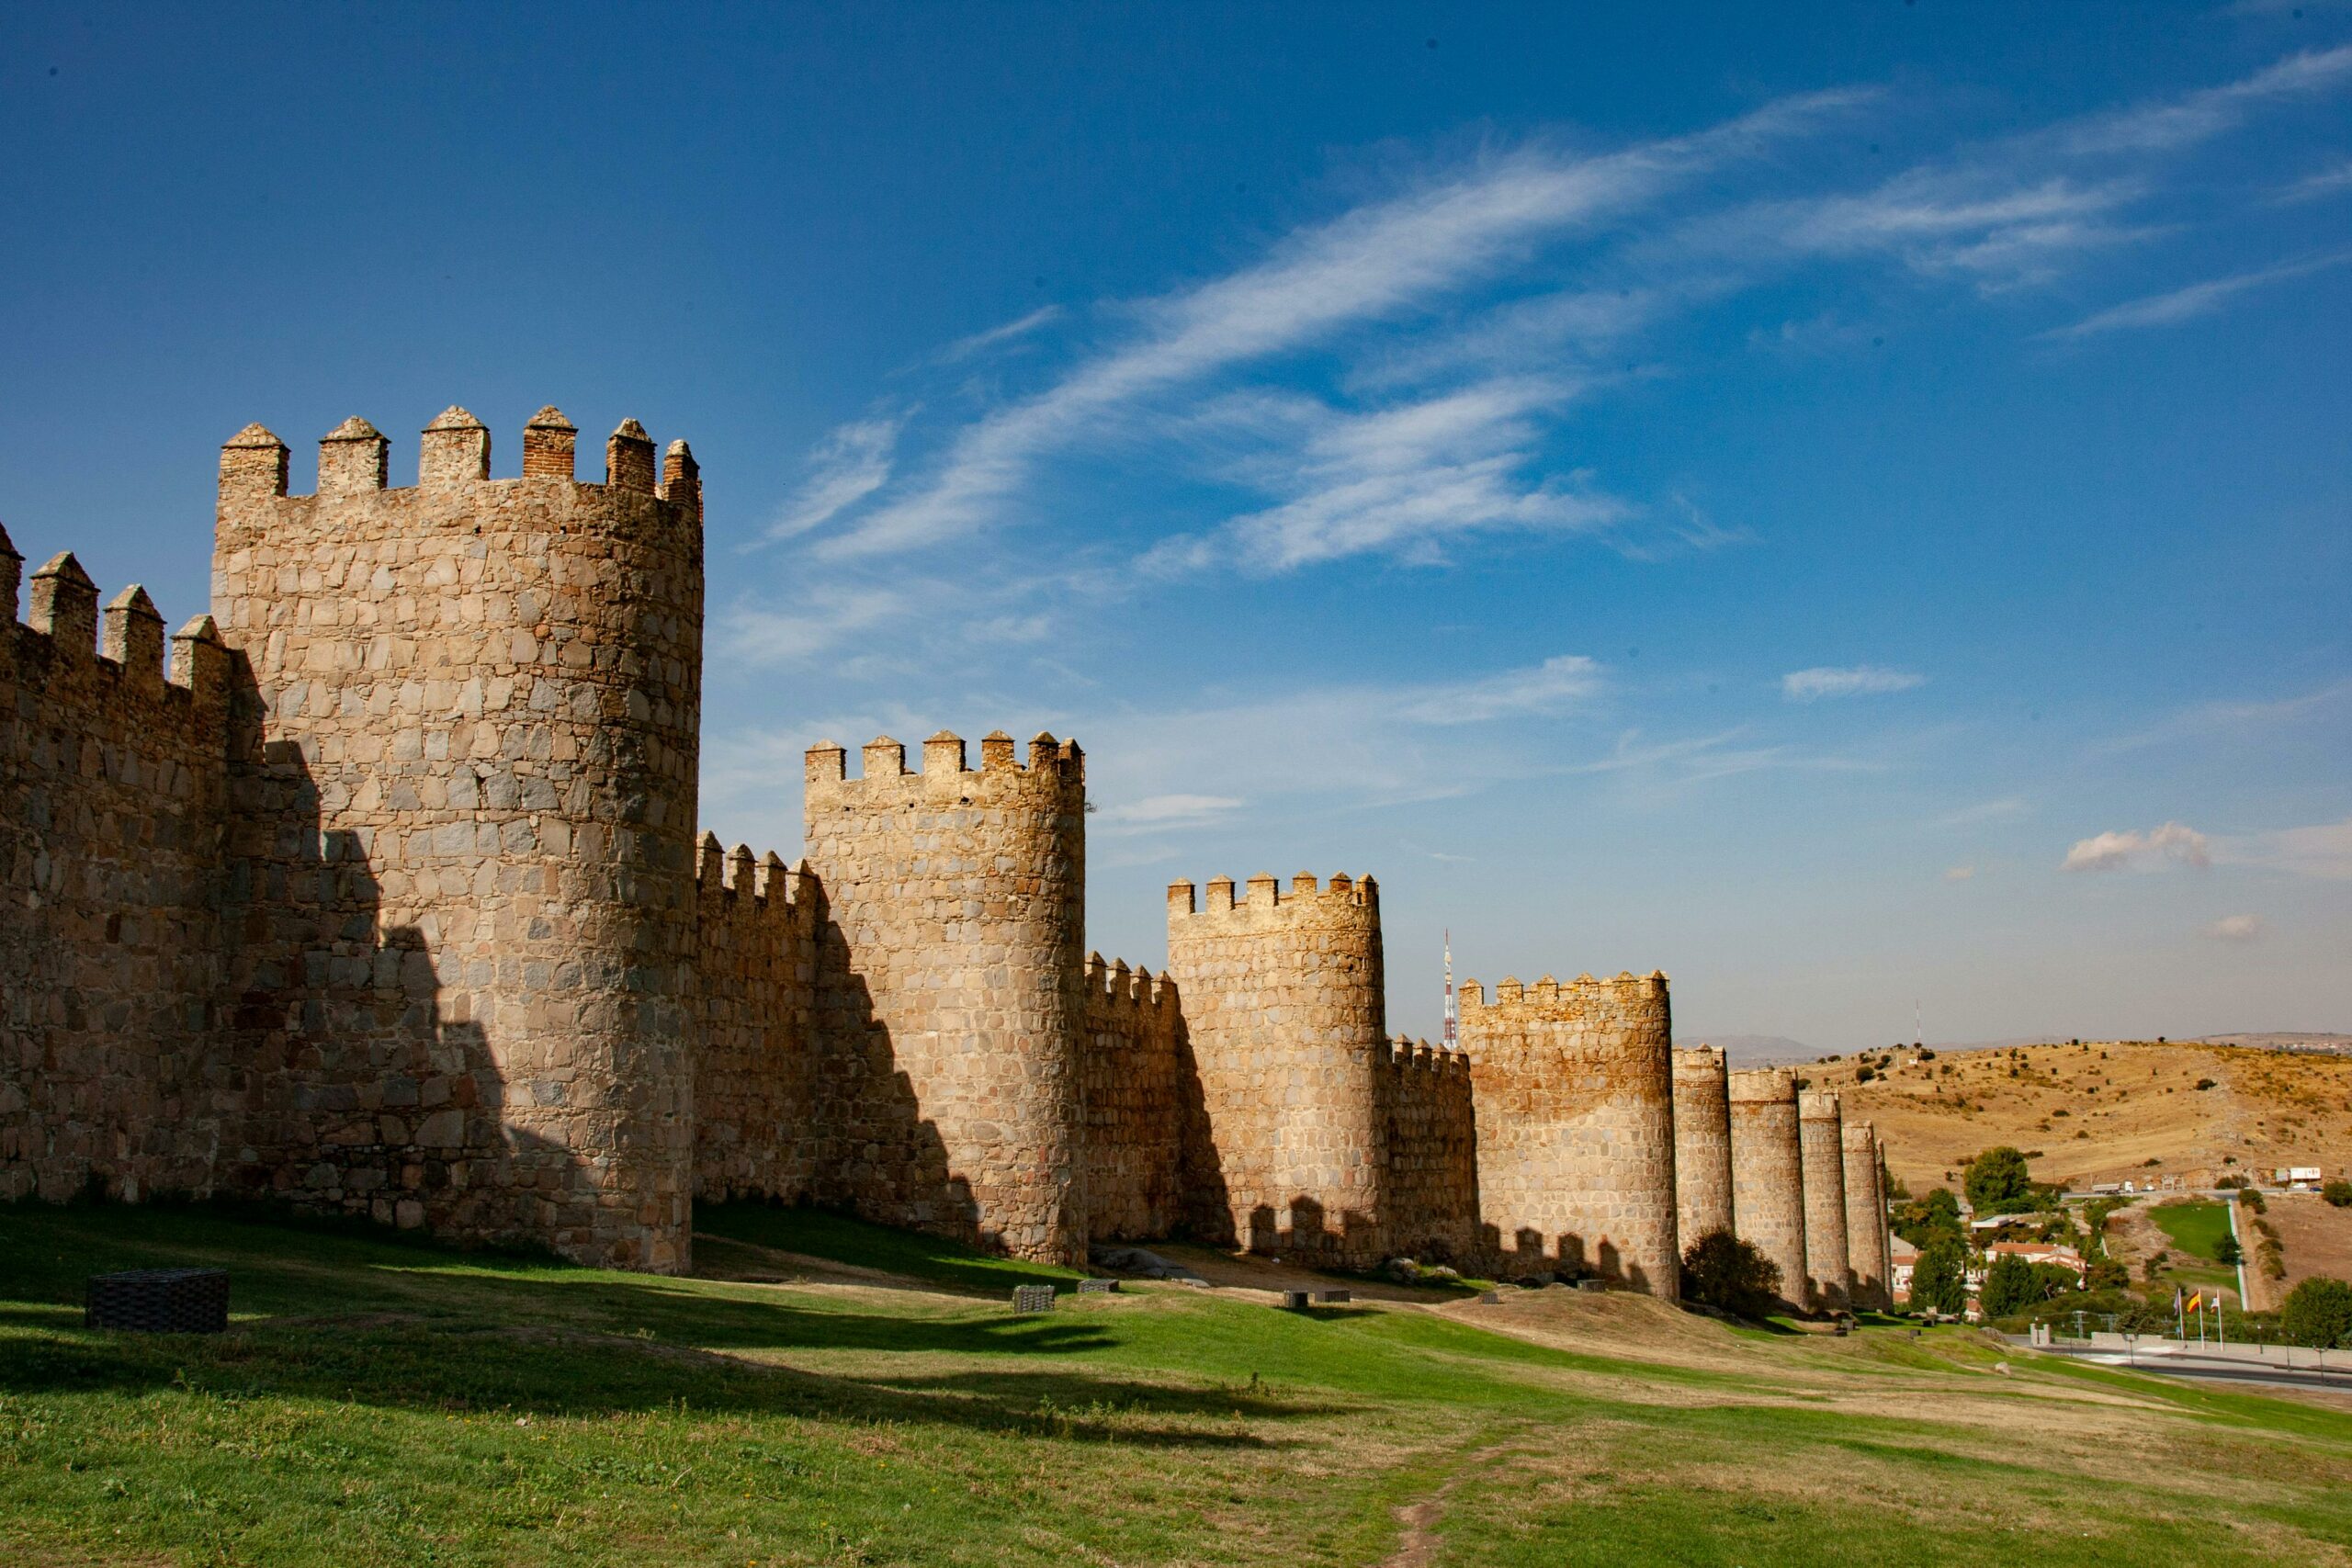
(1162, 812)
(1374, 262)
(2319, 184)
(2188, 303)
(1853, 680)
(2209, 111)
(2006, 808)
(1960, 874)
(2237, 927)
(2321, 850)
(1402, 480)
(850, 464)
(2175, 843)
(965, 348)
(817, 619)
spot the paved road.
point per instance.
(2218, 1371)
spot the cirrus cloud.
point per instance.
(1859, 680)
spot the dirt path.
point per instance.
(1417, 1547)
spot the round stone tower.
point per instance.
(1574, 1087)
(1865, 1218)
(1820, 1127)
(957, 903)
(1286, 1009)
(1767, 1172)
(465, 767)
(1701, 1142)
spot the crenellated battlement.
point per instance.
(742, 882)
(1057, 765)
(454, 454)
(81, 654)
(1548, 993)
(1264, 896)
(1117, 984)
(1756, 1086)
(1406, 1054)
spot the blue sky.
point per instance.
(1848, 508)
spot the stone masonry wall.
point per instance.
(113, 805)
(755, 1062)
(1143, 1118)
(1821, 1137)
(463, 786)
(1432, 1188)
(1865, 1219)
(952, 953)
(1575, 1093)
(1701, 1142)
(1283, 1003)
(1767, 1172)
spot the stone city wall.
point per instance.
(1432, 1182)
(1701, 1142)
(1575, 1093)
(755, 1060)
(113, 807)
(1284, 1006)
(956, 905)
(463, 779)
(1865, 1218)
(1767, 1172)
(1144, 1118)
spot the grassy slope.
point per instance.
(2193, 1227)
(386, 1403)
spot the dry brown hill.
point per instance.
(2109, 1111)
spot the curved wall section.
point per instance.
(463, 775)
(955, 907)
(1767, 1172)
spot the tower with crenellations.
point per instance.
(463, 769)
(1768, 1173)
(1822, 1142)
(1575, 1091)
(1866, 1224)
(1702, 1183)
(959, 899)
(1284, 1006)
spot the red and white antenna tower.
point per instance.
(1450, 1032)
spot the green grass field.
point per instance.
(2192, 1226)
(379, 1401)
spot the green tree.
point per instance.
(2010, 1287)
(2319, 1312)
(2339, 1193)
(1998, 1181)
(1722, 1271)
(2107, 1274)
(2227, 1250)
(1939, 1280)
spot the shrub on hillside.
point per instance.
(2319, 1312)
(2107, 1274)
(1722, 1271)
(2339, 1193)
(2227, 1250)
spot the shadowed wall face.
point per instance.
(1432, 1190)
(1145, 1128)
(113, 807)
(1821, 1137)
(955, 903)
(755, 1093)
(1702, 1185)
(464, 784)
(1865, 1218)
(1575, 1093)
(1283, 1003)
(1767, 1172)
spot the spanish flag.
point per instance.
(2194, 1302)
